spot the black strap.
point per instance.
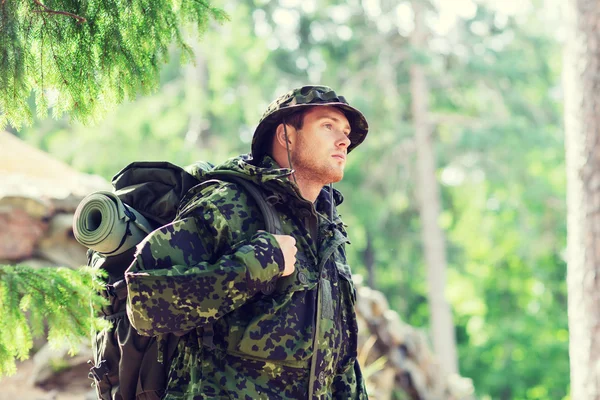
(123, 239)
(97, 372)
(208, 334)
(117, 289)
(270, 215)
(115, 316)
(265, 204)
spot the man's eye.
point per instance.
(328, 126)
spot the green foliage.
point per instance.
(31, 300)
(82, 58)
(496, 114)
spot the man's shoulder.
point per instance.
(230, 200)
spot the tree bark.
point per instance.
(442, 326)
(582, 124)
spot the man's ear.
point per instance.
(280, 136)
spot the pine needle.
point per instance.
(31, 300)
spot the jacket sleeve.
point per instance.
(189, 273)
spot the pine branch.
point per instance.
(62, 299)
(90, 63)
(51, 11)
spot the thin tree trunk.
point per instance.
(369, 260)
(197, 77)
(582, 124)
(442, 327)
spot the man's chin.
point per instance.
(337, 177)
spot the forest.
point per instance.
(456, 204)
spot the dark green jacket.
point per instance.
(213, 267)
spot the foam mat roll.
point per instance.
(105, 224)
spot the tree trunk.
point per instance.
(582, 124)
(442, 327)
(369, 260)
(197, 77)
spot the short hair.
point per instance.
(295, 119)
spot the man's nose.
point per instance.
(344, 140)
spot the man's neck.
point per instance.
(308, 189)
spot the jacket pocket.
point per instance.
(346, 283)
(281, 326)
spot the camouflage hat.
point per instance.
(306, 96)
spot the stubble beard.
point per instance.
(310, 169)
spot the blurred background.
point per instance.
(464, 104)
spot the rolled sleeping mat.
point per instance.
(103, 223)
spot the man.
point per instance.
(262, 316)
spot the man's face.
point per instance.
(321, 145)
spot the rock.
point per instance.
(379, 304)
(396, 328)
(410, 363)
(37, 193)
(48, 361)
(383, 384)
(362, 301)
(37, 208)
(19, 234)
(59, 245)
(22, 174)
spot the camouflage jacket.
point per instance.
(213, 268)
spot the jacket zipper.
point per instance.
(313, 363)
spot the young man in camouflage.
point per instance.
(261, 316)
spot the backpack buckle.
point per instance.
(117, 289)
(275, 198)
(110, 290)
(207, 337)
(97, 372)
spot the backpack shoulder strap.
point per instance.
(270, 215)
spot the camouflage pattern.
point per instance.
(307, 96)
(214, 265)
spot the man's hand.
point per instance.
(288, 247)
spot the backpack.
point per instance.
(126, 365)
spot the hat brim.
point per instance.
(264, 131)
